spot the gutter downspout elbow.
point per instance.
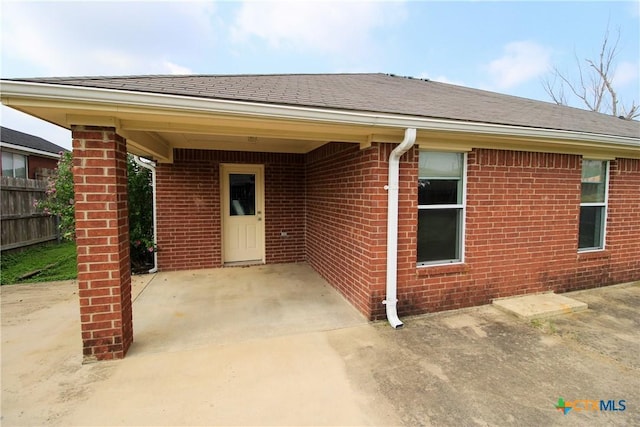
(391, 300)
(152, 167)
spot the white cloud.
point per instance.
(634, 9)
(175, 68)
(14, 119)
(330, 27)
(521, 62)
(626, 72)
(99, 38)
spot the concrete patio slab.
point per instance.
(476, 366)
(540, 306)
(189, 309)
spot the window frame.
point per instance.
(461, 207)
(604, 205)
(13, 163)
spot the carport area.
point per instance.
(275, 345)
(183, 310)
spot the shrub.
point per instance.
(60, 198)
(140, 216)
(60, 201)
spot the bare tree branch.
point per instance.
(555, 93)
(632, 113)
(594, 85)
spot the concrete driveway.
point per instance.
(309, 359)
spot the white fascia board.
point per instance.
(21, 149)
(187, 103)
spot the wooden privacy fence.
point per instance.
(21, 223)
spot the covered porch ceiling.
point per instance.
(155, 132)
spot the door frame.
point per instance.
(258, 169)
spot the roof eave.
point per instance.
(23, 149)
(12, 91)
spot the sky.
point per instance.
(505, 47)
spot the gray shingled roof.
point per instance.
(379, 93)
(22, 139)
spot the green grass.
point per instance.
(545, 325)
(58, 262)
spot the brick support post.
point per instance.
(102, 238)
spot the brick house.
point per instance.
(391, 188)
(27, 156)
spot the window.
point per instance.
(593, 204)
(14, 165)
(441, 204)
(242, 192)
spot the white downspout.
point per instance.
(152, 167)
(392, 226)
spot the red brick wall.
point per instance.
(102, 239)
(36, 162)
(521, 225)
(188, 214)
(521, 232)
(623, 235)
(188, 204)
(620, 261)
(346, 220)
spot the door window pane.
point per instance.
(242, 191)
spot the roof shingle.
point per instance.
(22, 139)
(378, 93)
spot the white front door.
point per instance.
(242, 213)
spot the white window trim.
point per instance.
(463, 225)
(425, 207)
(28, 151)
(604, 204)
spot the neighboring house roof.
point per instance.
(32, 144)
(380, 93)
